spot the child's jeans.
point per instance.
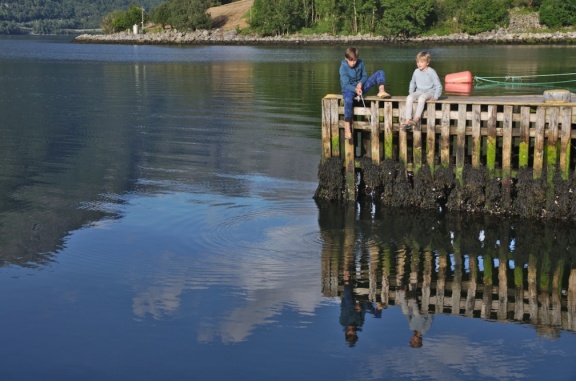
(378, 78)
(422, 97)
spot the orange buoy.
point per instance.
(460, 77)
(459, 88)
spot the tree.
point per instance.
(162, 14)
(281, 17)
(118, 21)
(406, 18)
(327, 13)
(557, 13)
(483, 15)
(189, 14)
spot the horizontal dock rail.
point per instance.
(500, 133)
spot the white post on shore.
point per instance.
(142, 20)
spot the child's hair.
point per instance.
(351, 54)
(423, 56)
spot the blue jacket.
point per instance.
(350, 76)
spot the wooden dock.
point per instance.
(503, 134)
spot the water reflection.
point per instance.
(430, 264)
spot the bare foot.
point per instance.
(383, 94)
(347, 135)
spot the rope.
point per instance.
(519, 79)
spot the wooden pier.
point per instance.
(502, 134)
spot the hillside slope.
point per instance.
(231, 16)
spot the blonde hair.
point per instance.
(423, 56)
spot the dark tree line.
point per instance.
(404, 18)
(391, 18)
(56, 16)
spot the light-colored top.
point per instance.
(426, 80)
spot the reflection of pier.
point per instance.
(446, 286)
(494, 283)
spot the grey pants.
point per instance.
(422, 97)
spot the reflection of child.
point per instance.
(425, 85)
(355, 82)
(352, 313)
(419, 322)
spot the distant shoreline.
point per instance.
(220, 37)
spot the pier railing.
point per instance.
(501, 133)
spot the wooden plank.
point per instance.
(539, 142)
(326, 124)
(507, 155)
(566, 121)
(551, 147)
(334, 127)
(402, 139)
(491, 141)
(374, 133)
(460, 143)
(417, 147)
(349, 170)
(476, 137)
(431, 136)
(445, 135)
(524, 148)
(388, 132)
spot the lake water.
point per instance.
(157, 223)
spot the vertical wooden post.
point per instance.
(431, 136)
(417, 147)
(472, 285)
(507, 156)
(460, 142)
(349, 170)
(335, 127)
(402, 140)
(539, 142)
(476, 137)
(571, 305)
(329, 124)
(491, 141)
(486, 308)
(533, 288)
(445, 135)
(552, 148)
(388, 132)
(502, 287)
(457, 279)
(566, 120)
(441, 280)
(375, 133)
(524, 149)
(427, 278)
(519, 292)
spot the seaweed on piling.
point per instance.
(331, 184)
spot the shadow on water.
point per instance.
(474, 266)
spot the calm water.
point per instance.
(157, 223)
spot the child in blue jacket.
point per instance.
(355, 82)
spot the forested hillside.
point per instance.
(57, 16)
